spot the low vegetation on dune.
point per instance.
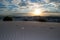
(7, 18)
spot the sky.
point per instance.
(9, 7)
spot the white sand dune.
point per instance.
(29, 30)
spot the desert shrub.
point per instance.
(7, 18)
(42, 20)
(25, 19)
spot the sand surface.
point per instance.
(29, 30)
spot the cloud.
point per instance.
(16, 1)
(33, 0)
(51, 11)
(2, 5)
(16, 6)
(9, 1)
(58, 1)
(47, 1)
(23, 4)
(1, 1)
(11, 7)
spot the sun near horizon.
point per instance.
(37, 12)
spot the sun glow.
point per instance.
(37, 12)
